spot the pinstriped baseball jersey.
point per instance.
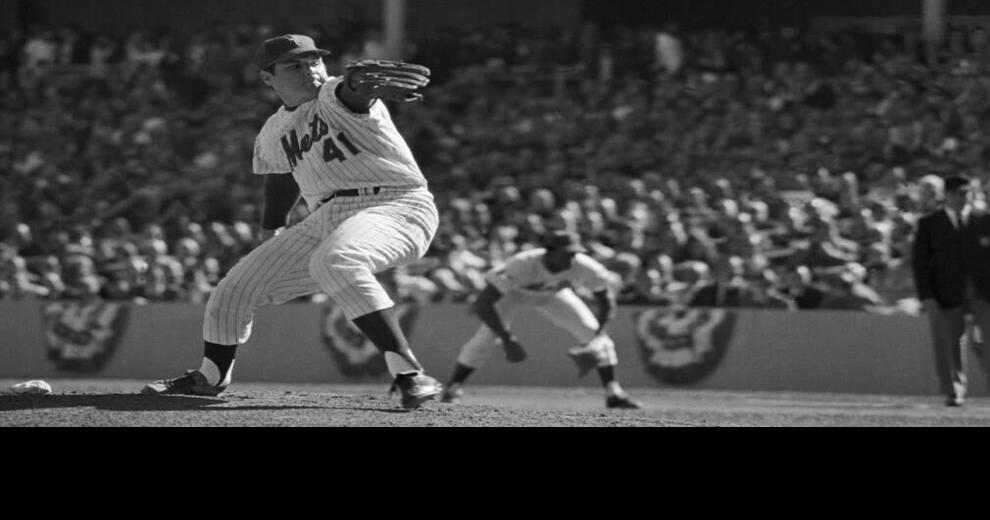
(526, 273)
(326, 147)
(343, 242)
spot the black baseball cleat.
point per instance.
(192, 383)
(416, 389)
(622, 401)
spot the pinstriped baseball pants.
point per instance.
(338, 249)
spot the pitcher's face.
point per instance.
(297, 81)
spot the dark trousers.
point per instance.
(947, 327)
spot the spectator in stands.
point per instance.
(763, 292)
(16, 282)
(40, 52)
(727, 289)
(163, 278)
(848, 290)
(797, 285)
(824, 248)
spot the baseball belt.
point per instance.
(355, 192)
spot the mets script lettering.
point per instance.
(294, 147)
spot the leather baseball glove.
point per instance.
(514, 351)
(387, 79)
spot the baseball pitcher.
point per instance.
(334, 144)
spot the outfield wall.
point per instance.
(724, 350)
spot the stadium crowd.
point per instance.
(753, 168)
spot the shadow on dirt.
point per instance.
(118, 402)
(151, 403)
(380, 410)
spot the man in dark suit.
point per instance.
(951, 261)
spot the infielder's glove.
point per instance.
(387, 79)
(514, 351)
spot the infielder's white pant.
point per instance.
(338, 249)
(564, 309)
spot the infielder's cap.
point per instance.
(955, 182)
(286, 47)
(564, 240)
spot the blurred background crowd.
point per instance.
(781, 168)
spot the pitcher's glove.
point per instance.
(387, 79)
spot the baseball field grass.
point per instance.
(86, 403)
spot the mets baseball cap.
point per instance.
(286, 47)
(564, 240)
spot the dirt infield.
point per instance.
(116, 403)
